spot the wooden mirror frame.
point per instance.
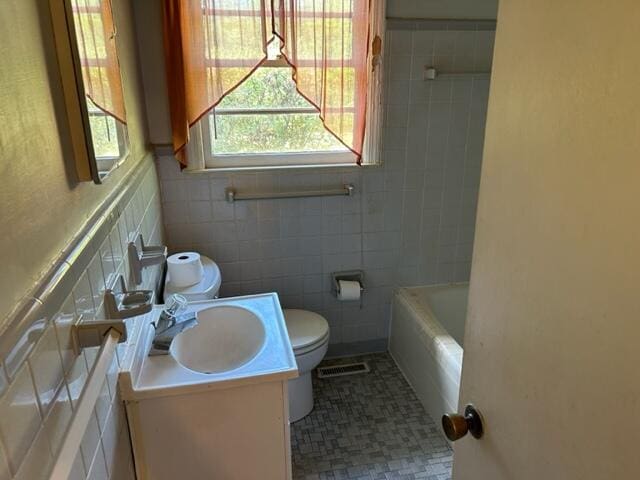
(77, 113)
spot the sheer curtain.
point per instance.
(326, 43)
(95, 33)
(212, 46)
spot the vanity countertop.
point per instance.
(142, 376)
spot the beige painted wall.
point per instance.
(41, 206)
(148, 18)
(551, 347)
(476, 9)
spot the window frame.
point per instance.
(108, 163)
(201, 147)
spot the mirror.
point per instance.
(86, 44)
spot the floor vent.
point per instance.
(342, 370)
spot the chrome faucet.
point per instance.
(170, 324)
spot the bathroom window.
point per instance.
(266, 122)
(109, 137)
(281, 84)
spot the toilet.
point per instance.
(308, 334)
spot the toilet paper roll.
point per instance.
(348, 290)
(185, 269)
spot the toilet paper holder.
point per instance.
(351, 276)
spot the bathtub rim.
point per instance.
(442, 340)
(436, 382)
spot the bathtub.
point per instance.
(425, 340)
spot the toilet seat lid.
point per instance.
(305, 328)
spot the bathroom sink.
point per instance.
(225, 338)
(237, 341)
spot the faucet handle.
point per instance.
(177, 305)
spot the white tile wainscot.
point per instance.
(41, 378)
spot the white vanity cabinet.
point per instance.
(239, 433)
(225, 426)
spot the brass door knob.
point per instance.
(456, 426)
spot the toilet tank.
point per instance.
(207, 289)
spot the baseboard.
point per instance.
(357, 348)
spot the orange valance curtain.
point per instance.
(95, 32)
(212, 46)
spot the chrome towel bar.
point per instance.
(432, 73)
(232, 195)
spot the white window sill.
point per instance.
(165, 150)
(323, 167)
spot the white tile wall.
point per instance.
(19, 417)
(40, 390)
(410, 222)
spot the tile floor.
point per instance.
(368, 427)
